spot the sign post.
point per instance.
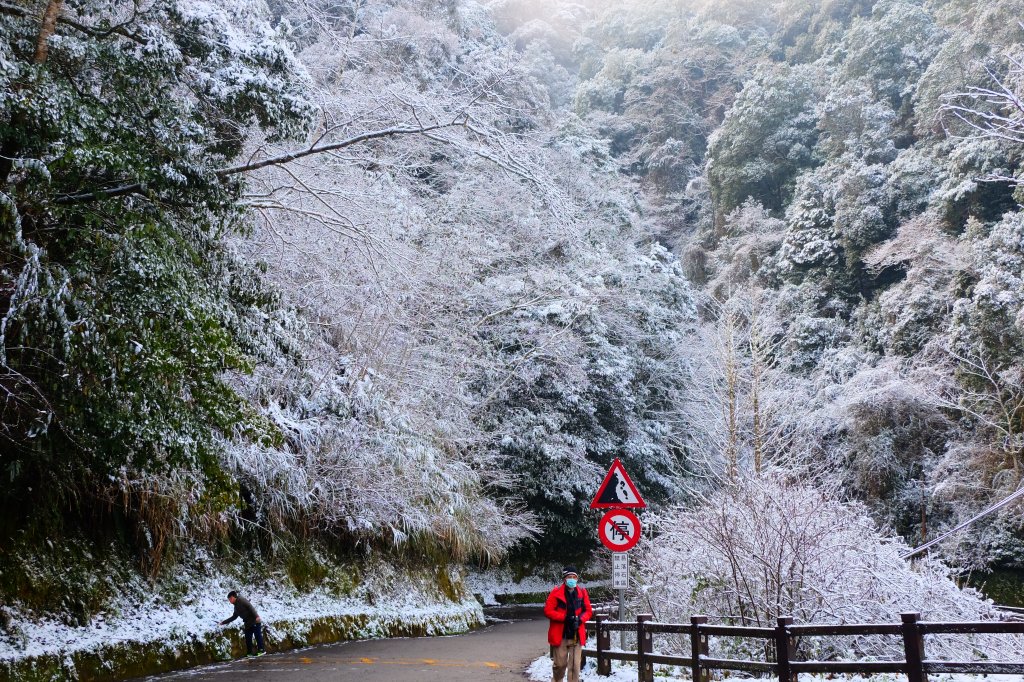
(619, 528)
(620, 531)
(620, 581)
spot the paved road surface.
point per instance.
(497, 653)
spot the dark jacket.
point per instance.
(243, 610)
(555, 610)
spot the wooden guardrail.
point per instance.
(782, 640)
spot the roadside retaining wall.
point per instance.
(124, 660)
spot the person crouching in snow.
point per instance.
(568, 609)
(251, 620)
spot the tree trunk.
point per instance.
(53, 9)
(731, 380)
(10, 147)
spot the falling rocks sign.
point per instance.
(617, 491)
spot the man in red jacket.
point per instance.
(568, 608)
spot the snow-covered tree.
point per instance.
(766, 138)
(121, 306)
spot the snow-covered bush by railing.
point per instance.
(768, 547)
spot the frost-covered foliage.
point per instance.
(481, 287)
(120, 303)
(765, 548)
(134, 340)
(599, 377)
(281, 270)
(857, 174)
(766, 137)
(401, 273)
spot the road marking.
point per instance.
(329, 660)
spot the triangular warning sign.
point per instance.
(617, 490)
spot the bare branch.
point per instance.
(334, 146)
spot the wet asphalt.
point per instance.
(496, 653)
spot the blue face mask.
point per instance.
(570, 583)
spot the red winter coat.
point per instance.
(554, 609)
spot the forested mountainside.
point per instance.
(839, 180)
(405, 276)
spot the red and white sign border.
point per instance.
(617, 467)
(602, 530)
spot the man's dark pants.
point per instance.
(250, 630)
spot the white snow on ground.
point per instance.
(205, 605)
(501, 581)
(488, 584)
(540, 671)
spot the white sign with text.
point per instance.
(620, 570)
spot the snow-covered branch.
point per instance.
(281, 159)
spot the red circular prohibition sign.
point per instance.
(619, 530)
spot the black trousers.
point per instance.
(250, 630)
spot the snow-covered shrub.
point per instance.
(883, 427)
(351, 464)
(891, 50)
(767, 547)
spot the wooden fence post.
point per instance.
(913, 646)
(644, 646)
(783, 649)
(698, 647)
(604, 643)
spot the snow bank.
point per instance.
(147, 634)
(500, 585)
(540, 670)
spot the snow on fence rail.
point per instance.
(781, 644)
